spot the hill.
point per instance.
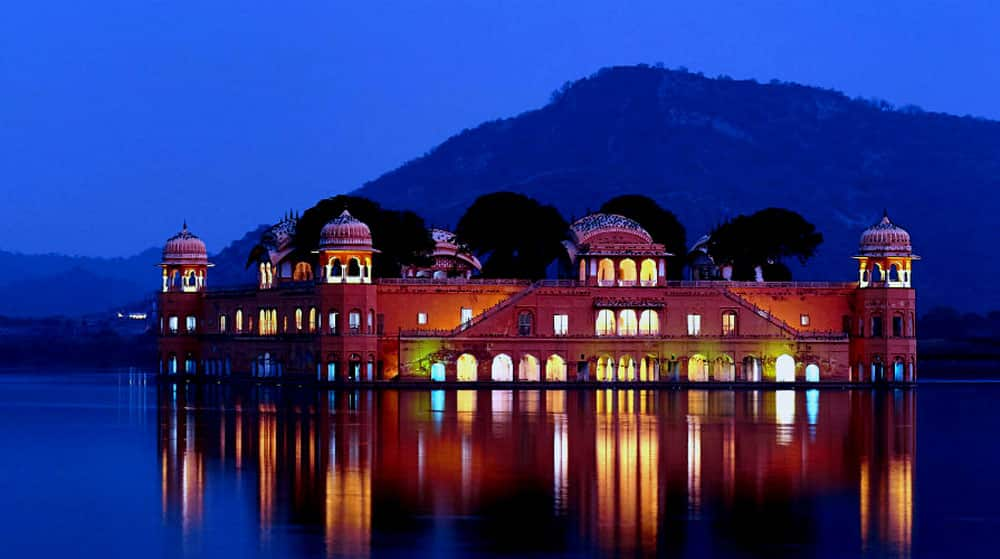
(709, 149)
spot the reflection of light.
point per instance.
(694, 465)
(437, 404)
(466, 470)
(649, 486)
(865, 489)
(784, 414)
(901, 503)
(560, 462)
(812, 411)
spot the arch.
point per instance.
(583, 269)
(626, 368)
(336, 268)
(314, 322)
(555, 369)
(605, 368)
(303, 272)
(172, 364)
(502, 369)
(893, 273)
(439, 274)
(437, 372)
(468, 368)
(222, 324)
(628, 324)
(298, 319)
(725, 368)
(626, 272)
(649, 323)
(354, 367)
(605, 323)
(605, 272)
(784, 368)
(751, 368)
(812, 372)
(649, 369)
(877, 274)
(239, 320)
(354, 267)
(697, 368)
(528, 369)
(898, 370)
(647, 273)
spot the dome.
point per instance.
(593, 225)
(885, 238)
(345, 232)
(185, 248)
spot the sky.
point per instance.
(119, 119)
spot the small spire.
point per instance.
(185, 228)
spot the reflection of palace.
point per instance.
(324, 317)
(619, 471)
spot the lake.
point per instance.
(115, 464)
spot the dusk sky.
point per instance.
(121, 118)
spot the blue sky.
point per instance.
(120, 118)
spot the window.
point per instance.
(371, 322)
(239, 320)
(190, 323)
(298, 320)
(647, 273)
(466, 315)
(421, 318)
(354, 322)
(524, 319)
(803, 320)
(222, 324)
(560, 324)
(649, 323)
(173, 324)
(628, 324)
(333, 318)
(314, 321)
(897, 326)
(729, 323)
(876, 326)
(605, 325)
(694, 325)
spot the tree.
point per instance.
(515, 236)
(661, 224)
(401, 236)
(764, 239)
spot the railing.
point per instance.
(640, 338)
(451, 281)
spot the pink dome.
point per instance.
(185, 248)
(345, 232)
(595, 225)
(885, 239)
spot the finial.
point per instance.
(185, 224)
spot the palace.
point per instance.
(320, 315)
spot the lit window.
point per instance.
(605, 325)
(694, 325)
(804, 320)
(298, 320)
(314, 322)
(354, 322)
(649, 323)
(173, 324)
(560, 324)
(729, 323)
(371, 321)
(421, 318)
(239, 320)
(333, 318)
(222, 323)
(466, 316)
(190, 323)
(628, 323)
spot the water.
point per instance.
(106, 464)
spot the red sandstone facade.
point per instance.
(619, 320)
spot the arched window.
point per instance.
(626, 368)
(606, 272)
(583, 269)
(262, 322)
(239, 320)
(354, 322)
(303, 272)
(524, 323)
(812, 372)
(894, 273)
(298, 319)
(313, 319)
(647, 274)
(528, 369)
(898, 370)
(605, 368)
(354, 268)
(648, 369)
(649, 323)
(784, 368)
(751, 369)
(172, 364)
(628, 324)
(222, 324)
(877, 273)
(332, 320)
(626, 272)
(467, 368)
(370, 324)
(555, 369)
(173, 324)
(336, 268)
(502, 369)
(605, 325)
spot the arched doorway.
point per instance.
(784, 368)
(606, 272)
(697, 368)
(725, 369)
(555, 369)
(626, 368)
(649, 369)
(467, 368)
(528, 369)
(354, 368)
(626, 272)
(812, 372)
(898, 370)
(751, 369)
(502, 369)
(437, 372)
(605, 368)
(647, 273)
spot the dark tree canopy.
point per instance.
(660, 223)
(401, 236)
(515, 236)
(765, 238)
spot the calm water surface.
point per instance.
(104, 464)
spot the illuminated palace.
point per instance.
(323, 317)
